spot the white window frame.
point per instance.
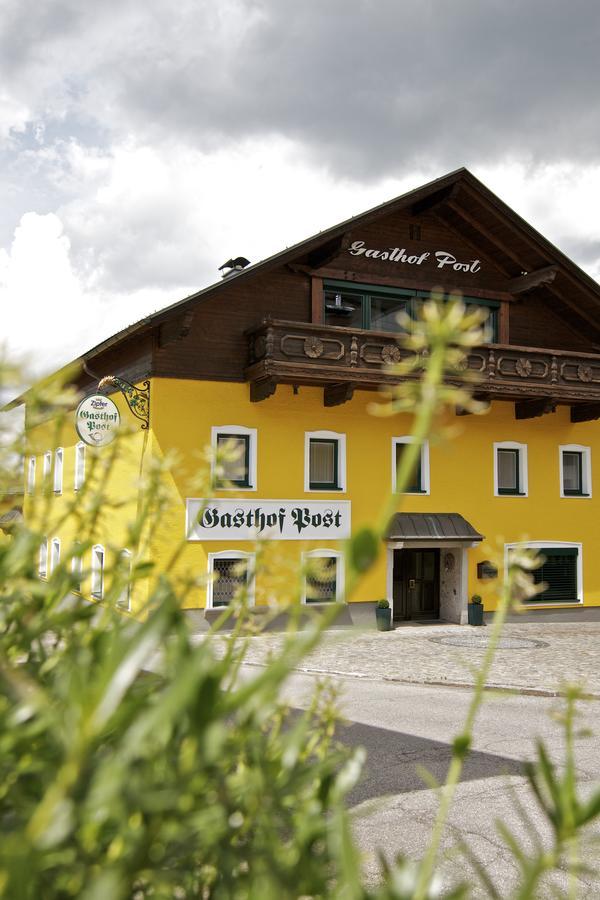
(47, 466)
(220, 430)
(77, 568)
(425, 473)
(43, 559)
(251, 576)
(341, 442)
(586, 471)
(124, 598)
(54, 553)
(539, 545)
(97, 572)
(59, 458)
(31, 464)
(79, 472)
(340, 573)
(523, 467)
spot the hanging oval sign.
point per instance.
(97, 420)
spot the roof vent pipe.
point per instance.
(233, 266)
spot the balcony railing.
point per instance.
(343, 359)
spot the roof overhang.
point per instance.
(437, 529)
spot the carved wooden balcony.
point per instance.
(342, 359)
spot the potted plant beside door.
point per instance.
(383, 615)
(475, 610)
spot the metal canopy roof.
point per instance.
(435, 527)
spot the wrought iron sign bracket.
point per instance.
(138, 399)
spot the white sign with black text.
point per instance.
(271, 520)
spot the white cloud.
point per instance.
(145, 226)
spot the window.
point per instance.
(230, 573)
(77, 567)
(575, 471)
(124, 598)
(419, 480)
(98, 572)
(235, 447)
(324, 576)
(376, 308)
(31, 475)
(324, 461)
(47, 466)
(561, 572)
(58, 470)
(363, 306)
(43, 558)
(54, 554)
(79, 465)
(510, 469)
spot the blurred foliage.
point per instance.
(138, 761)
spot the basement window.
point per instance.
(231, 573)
(323, 576)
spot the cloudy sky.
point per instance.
(142, 144)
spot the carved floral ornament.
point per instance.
(313, 347)
(585, 373)
(523, 367)
(390, 354)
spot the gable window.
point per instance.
(575, 471)
(375, 307)
(561, 572)
(58, 470)
(43, 558)
(31, 475)
(365, 307)
(324, 576)
(419, 477)
(230, 574)
(234, 457)
(98, 572)
(79, 466)
(324, 461)
(54, 554)
(510, 469)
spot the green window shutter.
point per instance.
(559, 573)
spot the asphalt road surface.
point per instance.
(404, 727)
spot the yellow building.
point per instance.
(281, 360)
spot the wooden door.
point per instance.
(416, 580)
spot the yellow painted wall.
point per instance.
(461, 473)
(183, 412)
(120, 488)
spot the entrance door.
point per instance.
(416, 584)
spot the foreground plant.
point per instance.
(137, 762)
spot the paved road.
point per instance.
(404, 726)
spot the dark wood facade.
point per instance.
(260, 325)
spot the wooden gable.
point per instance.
(486, 250)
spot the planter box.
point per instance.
(384, 619)
(475, 611)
